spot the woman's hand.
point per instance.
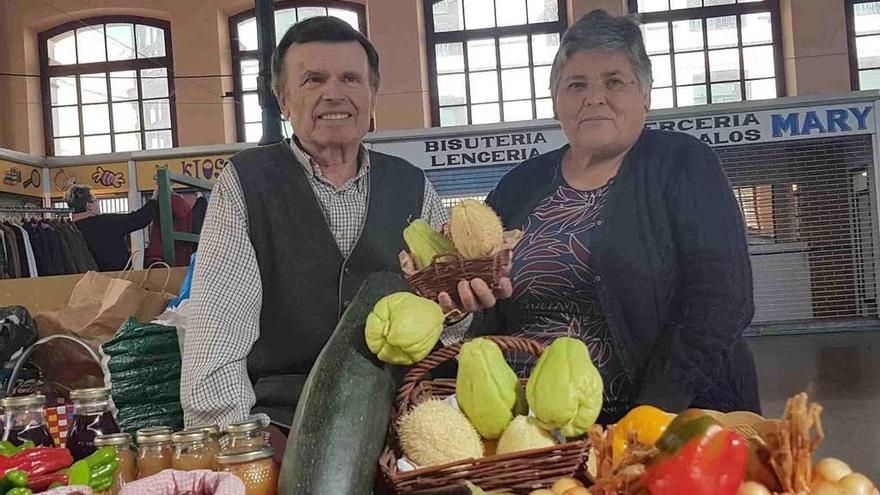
(476, 295)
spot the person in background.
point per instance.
(107, 234)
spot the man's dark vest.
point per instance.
(307, 283)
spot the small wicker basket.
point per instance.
(519, 472)
(446, 271)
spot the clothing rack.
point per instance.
(28, 209)
(165, 179)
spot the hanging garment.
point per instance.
(182, 215)
(23, 264)
(12, 251)
(4, 257)
(29, 252)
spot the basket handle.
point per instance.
(27, 353)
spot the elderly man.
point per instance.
(294, 228)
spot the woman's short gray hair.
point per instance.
(603, 32)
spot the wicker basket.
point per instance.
(520, 472)
(445, 271)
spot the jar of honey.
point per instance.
(155, 452)
(191, 451)
(127, 470)
(256, 469)
(245, 436)
(213, 441)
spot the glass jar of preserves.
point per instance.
(91, 417)
(213, 441)
(155, 452)
(245, 436)
(191, 451)
(256, 469)
(24, 418)
(127, 470)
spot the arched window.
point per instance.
(489, 60)
(245, 63)
(712, 51)
(863, 25)
(108, 86)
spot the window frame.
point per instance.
(703, 13)
(854, 69)
(237, 55)
(136, 64)
(432, 39)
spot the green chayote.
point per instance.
(403, 328)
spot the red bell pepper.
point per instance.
(37, 461)
(698, 457)
(42, 482)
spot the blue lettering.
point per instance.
(788, 125)
(837, 120)
(811, 121)
(861, 117)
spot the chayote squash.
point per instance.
(425, 243)
(403, 328)
(487, 390)
(565, 389)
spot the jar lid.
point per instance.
(155, 430)
(213, 430)
(90, 394)
(154, 437)
(245, 426)
(189, 436)
(113, 439)
(239, 457)
(24, 400)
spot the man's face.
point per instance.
(327, 93)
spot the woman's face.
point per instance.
(600, 103)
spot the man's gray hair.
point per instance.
(78, 196)
(603, 32)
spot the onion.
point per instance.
(830, 469)
(752, 488)
(856, 484)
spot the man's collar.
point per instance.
(314, 170)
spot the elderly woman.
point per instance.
(633, 241)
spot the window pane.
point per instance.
(453, 116)
(653, 5)
(484, 87)
(661, 68)
(542, 81)
(154, 83)
(65, 121)
(96, 119)
(123, 85)
(726, 92)
(308, 12)
(346, 15)
(120, 42)
(661, 98)
(93, 88)
(514, 51)
(517, 110)
(516, 84)
(544, 48)
(448, 16)
(97, 144)
(722, 32)
(158, 140)
(512, 13)
(690, 68)
(867, 18)
(485, 114)
(67, 147)
(126, 116)
(450, 57)
(869, 79)
(761, 90)
(543, 11)
(249, 70)
(481, 54)
(62, 50)
(247, 34)
(684, 4)
(656, 37)
(252, 110)
(479, 14)
(157, 115)
(150, 41)
(687, 35)
(451, 89)
(284, 19)
(712, 3)
(544, 108)
(127, 142)
(90, 44)
(691, 95)
(758, 61)
(253, 132)
(62, 90)
(868, 51)
(756, 28)
(724, 65)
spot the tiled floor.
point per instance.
(841, 371)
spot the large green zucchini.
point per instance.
(342, 416)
